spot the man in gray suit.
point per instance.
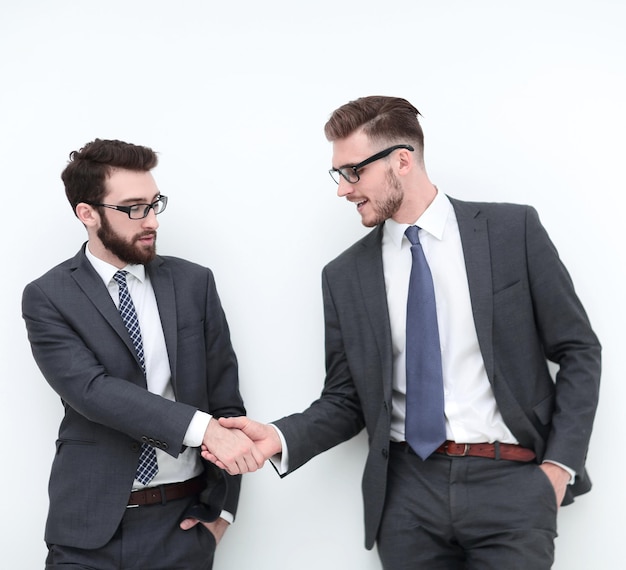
(513, 440)
(138, 348)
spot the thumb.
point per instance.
(188, 523)
(234, 422)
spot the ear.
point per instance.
(405, 161)
(87, 214)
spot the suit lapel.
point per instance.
(92, 286)
(475, 241)
(369, 264)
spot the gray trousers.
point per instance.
(466, 513)
(148, 538)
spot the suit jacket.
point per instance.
(526, 313)
(81, 345)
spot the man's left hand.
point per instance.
(559, 479)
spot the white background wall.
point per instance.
(522, 101)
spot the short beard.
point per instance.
(127, 251)
(387, 207)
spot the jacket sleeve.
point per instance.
(569, 341)
(69, 350)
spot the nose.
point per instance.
(344, 188)
(150, 222)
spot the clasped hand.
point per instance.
(239, 445)
(232, 449)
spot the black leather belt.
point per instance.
(164, 493)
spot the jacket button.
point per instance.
(385, 452)
(144, 438)
(135, 446)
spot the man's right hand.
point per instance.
(264, 437)
(232, 449)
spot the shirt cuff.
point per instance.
(281, 460)
(572, 473)
(228, 517)
(194, 436)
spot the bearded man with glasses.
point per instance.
(138, 348)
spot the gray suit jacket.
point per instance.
(80, 344)
(526, 312)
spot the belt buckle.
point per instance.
(131, 494)
(465, 451)
(131, 506)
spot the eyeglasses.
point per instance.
(138, 211)
(351, 174)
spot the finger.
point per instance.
(211, 458)
(248, 463)
(236, 466)
(251, 456)
(206, 454)
(251, 463)
(243, 465)
(258, 457)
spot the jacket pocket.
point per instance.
(544, 410)
(64, 441)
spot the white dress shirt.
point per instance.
(472, 415)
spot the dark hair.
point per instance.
(89, 167)
(383, 119)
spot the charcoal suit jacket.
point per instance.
(526, 313)
(81, 345)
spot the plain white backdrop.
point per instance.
(521, 102)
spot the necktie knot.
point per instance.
(120, 277)
(412, 234)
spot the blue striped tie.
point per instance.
(425, 427)
(148, 466)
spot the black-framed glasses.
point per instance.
(351, 173)
(137, 211)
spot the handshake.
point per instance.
(239, 445)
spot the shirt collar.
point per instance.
(106, 270)
(433, 220)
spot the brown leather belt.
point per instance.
(164, 493)
(495, 450)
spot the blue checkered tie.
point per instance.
(425, 425)
(148, 466)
